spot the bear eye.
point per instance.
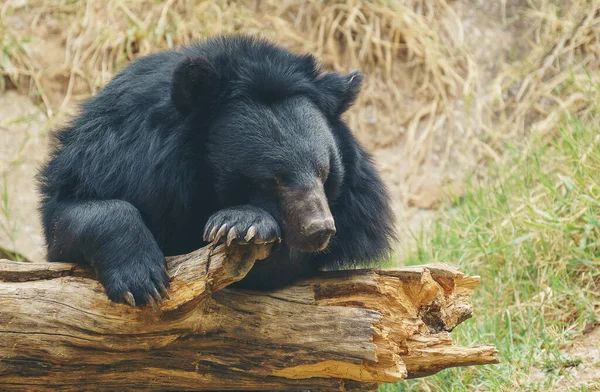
(323, 172)
(279, 180)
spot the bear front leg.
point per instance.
(242, 224)
(111, 236)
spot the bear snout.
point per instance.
(307, 221)
(318, 232)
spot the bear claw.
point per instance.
(128, 298)
(163, 291)
(250, 233)
(152, 303)
(221, 233)
(231, 236)
(242, 225)
(157, 297)
(210, 236)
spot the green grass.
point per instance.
(532, 233)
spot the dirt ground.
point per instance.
(417, 180)
(587, 349)
(579, 368)
(23, 147)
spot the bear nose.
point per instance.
(319, 226)
(319, 231)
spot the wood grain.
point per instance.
(342, 331)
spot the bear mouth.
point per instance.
(315, 244)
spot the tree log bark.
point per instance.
(340, 331)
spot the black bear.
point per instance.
(233, 139)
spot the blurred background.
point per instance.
(482, 117)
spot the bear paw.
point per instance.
(137, 282)
(242, 225)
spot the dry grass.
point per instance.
(425, 97)
(413, 53)
(554, 80)
(16, 65)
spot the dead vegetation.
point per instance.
(559, 76)
(447, 88)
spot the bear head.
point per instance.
(268, 120)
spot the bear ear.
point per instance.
(194, 84)
(353, 82)
(340, 91)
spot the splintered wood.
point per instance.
(340, 331)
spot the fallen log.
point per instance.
(349, 330)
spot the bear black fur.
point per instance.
(230, 132)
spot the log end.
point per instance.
(418, 307)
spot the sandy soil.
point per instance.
(23, 147)
(586, 348)
(581, 369)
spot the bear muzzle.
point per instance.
(318, 232)
(307, 221)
